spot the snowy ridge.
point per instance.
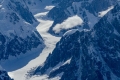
(70, 32)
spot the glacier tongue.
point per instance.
(49, 40)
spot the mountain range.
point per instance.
(87, 54)
(89, 45)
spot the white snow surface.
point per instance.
(69, 32)
(49, 7)
(21, 73)
(102, 13)
(68, 23)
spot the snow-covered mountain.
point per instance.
(87, 54)
(90, 11)
(18, 32)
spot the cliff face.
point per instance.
(87, 54)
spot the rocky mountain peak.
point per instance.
(87, 54)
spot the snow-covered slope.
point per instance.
(90, 11)
(87, 54)
(20, 68)
(18, 32)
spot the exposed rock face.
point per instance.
(88, 10)
(4, 75)
(17, 29)
(88, 54)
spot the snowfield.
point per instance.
(102, 13)
(69, 23)
(21, 73)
